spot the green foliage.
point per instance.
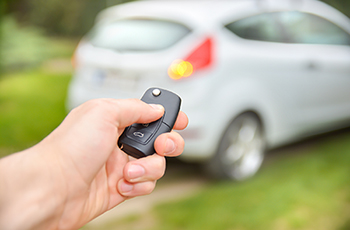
(25, 47)
(60, 17)
(75, 18)
(341, 5)
(31, 105)
(22, 47)
(64, 17)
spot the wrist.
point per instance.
(28, 195)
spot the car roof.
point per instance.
(191, 12)
(194, 13)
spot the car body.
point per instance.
(278, 71)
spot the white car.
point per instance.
(252, 75)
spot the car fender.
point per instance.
(249, 95)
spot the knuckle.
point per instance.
(101, 106)
(96, 104)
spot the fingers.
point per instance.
(128, 189)
(172, 144)
(141, 175)
(169, 144)
(181, 121)
(145, 169)
(123, 113)
(135, 111)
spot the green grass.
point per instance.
(31, 105)
(33, 86)
(307, 190)
(303, 187)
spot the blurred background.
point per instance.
(301, 186)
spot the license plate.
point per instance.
(115, 79)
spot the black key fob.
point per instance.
(137, 140)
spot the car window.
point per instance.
(290, 27)
(311, 29)
(137, 35)
(262, 27)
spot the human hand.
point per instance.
(79, 171)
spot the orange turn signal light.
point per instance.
(180, 69)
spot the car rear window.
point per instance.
(137, 35)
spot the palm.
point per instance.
(101, 193)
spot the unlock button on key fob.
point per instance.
(140, 136)
(141, 133)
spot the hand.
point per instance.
(78, 172)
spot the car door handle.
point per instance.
(312, 66)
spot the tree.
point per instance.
(75, 18)
(59, 17)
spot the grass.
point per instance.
(31, 105)
(304, 187)
(33, 86)
(308, 190)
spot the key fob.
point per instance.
(137, 140)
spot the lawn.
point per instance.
(31, 105)
(299, 189)
(303, 187)
(33, 84)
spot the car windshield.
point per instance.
(137, 35)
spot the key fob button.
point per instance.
(139, 135)
(156, 92)
(150, 127)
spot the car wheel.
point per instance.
(241, 149)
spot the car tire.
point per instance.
(241, 150)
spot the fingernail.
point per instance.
(169, 147)
(135, 171)
(157, 106)
(125, 188)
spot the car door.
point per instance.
(325, 47)
(307, 82)
(261, 52)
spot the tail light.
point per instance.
(199, 59)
